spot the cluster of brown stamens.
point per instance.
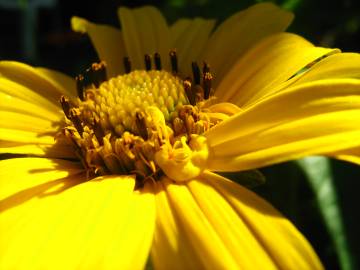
(110, 139)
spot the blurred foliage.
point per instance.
(332, 23)
(320, 177)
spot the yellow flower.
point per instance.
(130, 170)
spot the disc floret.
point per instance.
(145, 122)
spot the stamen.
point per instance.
(157, 61)
(207, 84)
(196, 72)
(80, 86)
(174, 61)
(97, 73)
(141, 125)
(127, 64)
(65, 104)
(98, 131)
(147, 62)
(188, 90)
(206, 68)
(74, 117)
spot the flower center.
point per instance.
(146, 122)
(117, 101)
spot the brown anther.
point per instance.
(157, 61)
(98, 131)
(199, 93)
(178, 126)
(189, 124)
(206, 68)
(74, 117)
(141, 125)
(196, 72)
(97, 73)
(80, 86)
(147, 62)
(207, 84)
(188, 90)
(65, 104)
(174, 61)
(127, 64)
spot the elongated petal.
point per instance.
(26, 93)
(279, 238)
(189, 38)
(201, 227)
(52, 218)
(240, 32)
(334, 66)
(60, 80)
(10, 103)
(344, 65)
(171, 248)
(30, 121)
(270, 63)
(185, 235)
(145, 32)
(45, 83)
(108, 42)
(314, 118)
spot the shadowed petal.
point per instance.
(108, 42)
(145, 31)
(189, 37)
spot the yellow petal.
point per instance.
(212, 223)
(189, 37)
(240, 32)
(51, 219)
(20, 121)
(22, 91)
(279, 238)
(319, 118)
(10, 103)
(58, 150)
(193, 241)
(60, 80)
(338, 65)
(38, 80)
(344, 65)
(271, 62)
(145, 32)
(108, 42)
(171, 248)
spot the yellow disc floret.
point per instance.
(117, 101)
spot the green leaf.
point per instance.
(319, 174)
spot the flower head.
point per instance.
(139, 135)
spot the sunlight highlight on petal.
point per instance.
(273, 61)
(319, 118)
(74, 223)
(246, 30)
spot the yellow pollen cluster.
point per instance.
(117, 101)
